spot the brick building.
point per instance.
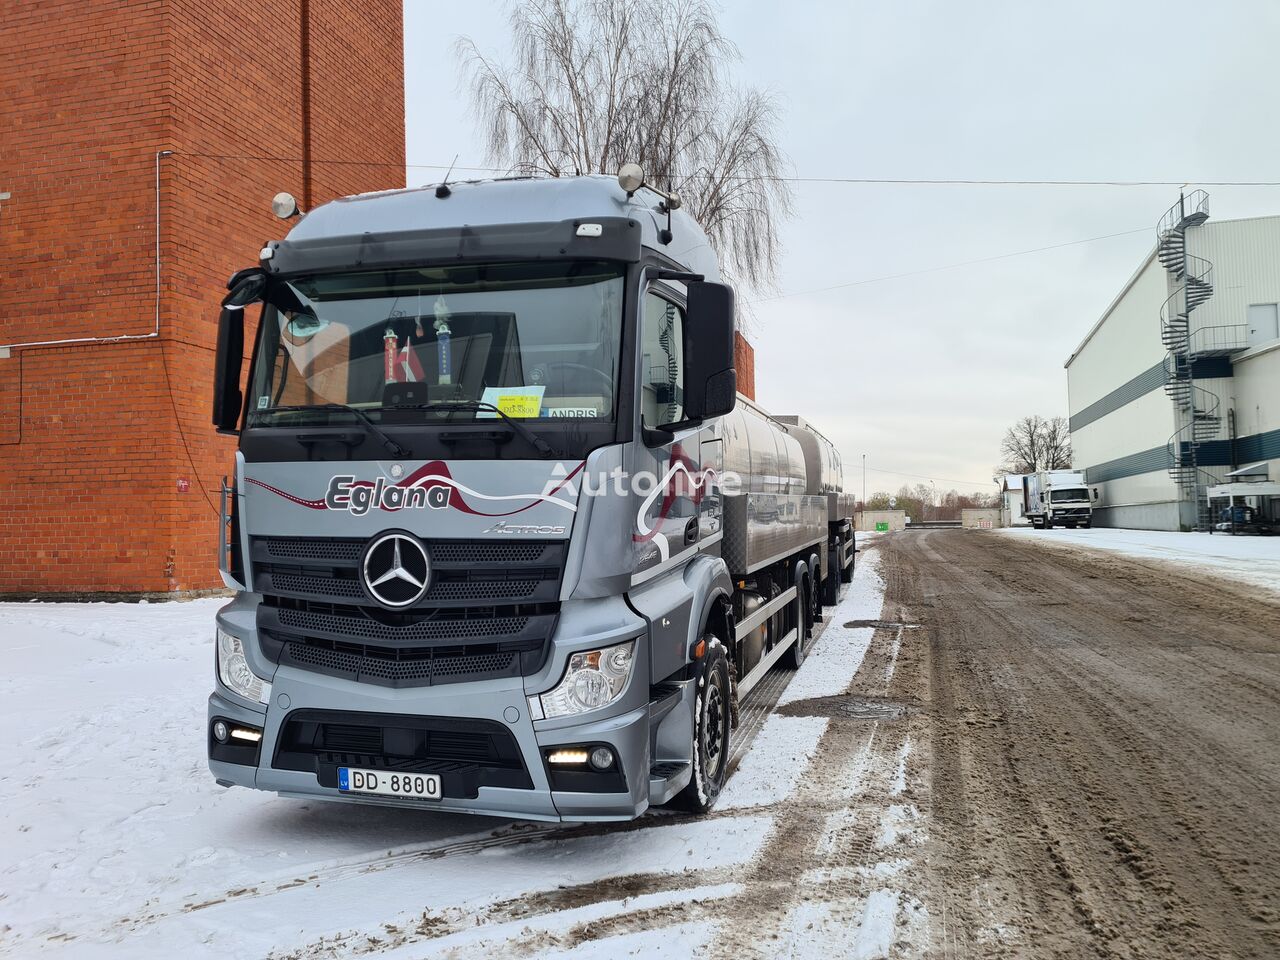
(141, 143)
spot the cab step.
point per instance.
(667, 778)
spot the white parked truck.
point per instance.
(1058, 498)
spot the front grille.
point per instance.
(310, 548)
(366, 628)
(463, 572)
(449, 646)
(488, 613)
(415, 667)
(473, 552)
(451, 552)
(466, 753)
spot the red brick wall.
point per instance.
(95, 439)
(744, 362)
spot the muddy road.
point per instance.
(997, 747)
(1102, 751)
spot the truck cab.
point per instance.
(1058, 498)
(476, 519)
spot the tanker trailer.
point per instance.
(775, 533)
(825, 473)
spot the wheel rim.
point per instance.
(713, 731)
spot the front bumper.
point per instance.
(498, 705)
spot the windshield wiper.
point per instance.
(528, 435)
(395, 449)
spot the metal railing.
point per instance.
(1222, 339)
(1193, 204)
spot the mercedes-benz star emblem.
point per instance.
(396, 570)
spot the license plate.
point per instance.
(382, 783)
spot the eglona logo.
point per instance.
(345, 493)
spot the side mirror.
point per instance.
(1095, 495)
(227, 398)
(244, 288)
(710, 380)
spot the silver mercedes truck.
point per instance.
(503, 536)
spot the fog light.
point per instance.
(602, 758)
(567, 756)
(220, 731)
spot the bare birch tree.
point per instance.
(594, 84)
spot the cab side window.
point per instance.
(662, 362)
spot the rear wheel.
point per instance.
(831, 585)
(804, 627)
(711, 731)
(846, 573)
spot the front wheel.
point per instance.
(712, 727)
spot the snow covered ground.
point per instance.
(1251, 560)
(115, 841)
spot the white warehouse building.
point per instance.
(1177, 387)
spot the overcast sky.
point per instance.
(923, 373)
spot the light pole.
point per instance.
(864, 481)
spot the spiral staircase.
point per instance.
(1197, 410)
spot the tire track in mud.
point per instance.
(1104, 810)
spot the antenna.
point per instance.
(443, 190)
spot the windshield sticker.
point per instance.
(513, 401)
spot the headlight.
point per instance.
(593, 679)
(234, 672)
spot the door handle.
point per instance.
(691, 530)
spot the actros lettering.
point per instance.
(525, 528)
(359, 497)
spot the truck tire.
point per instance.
(712, 725)
(831, 585)
(1047, 523)
(796, 653)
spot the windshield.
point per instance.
(1075, 493)
(534, 340)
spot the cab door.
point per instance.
(668, 481)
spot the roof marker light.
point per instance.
(590, 230)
